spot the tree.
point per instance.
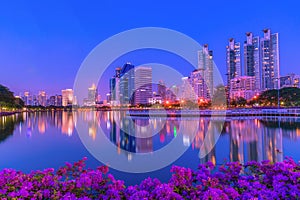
(220, 96)
(288, 97)
(7, 99)
(241, 101)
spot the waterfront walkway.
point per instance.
(289, 112)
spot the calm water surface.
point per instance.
(31, 141)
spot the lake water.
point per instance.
(31, 141)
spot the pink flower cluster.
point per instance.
(233, 180)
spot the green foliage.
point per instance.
(288, 97)
(220, 96)
(7, 99)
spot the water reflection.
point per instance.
(249, 139)
(65, 121)
(241, 140)
(8, 125)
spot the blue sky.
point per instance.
(43, 43)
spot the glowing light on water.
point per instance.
(175, 131)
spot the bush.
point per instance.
(232, 181)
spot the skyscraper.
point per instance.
(27, 98)
(127, 77)
(270, 60)
(187, 91)
(233, 60)
(243, 86)
(143, 85)
(114, 87)
(42, 99)
(199, 84)
(67, 97)
(252, 64)
(205, 68)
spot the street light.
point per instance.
(278, 90)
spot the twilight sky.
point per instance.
(42, 44)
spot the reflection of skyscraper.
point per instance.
(208, 148)
(233, 60)
(272, 144)
(67, 123)
(143, 85)
(143, 144)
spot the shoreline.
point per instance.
(242, 112)
(216, 113)
(2, 114)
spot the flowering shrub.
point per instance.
(232, 181)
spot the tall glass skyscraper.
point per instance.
(233, 60)
(121, 85)
(270, 60)
(143, 85)
(127, 89)
(205, 68)
(252, 64)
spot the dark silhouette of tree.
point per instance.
(7, 98)
(7, 127)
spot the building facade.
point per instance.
(67, 97)
(199, 85)
(291, 80)
(127, 76)
(243, 86)
(252, 64)
(269, 45)
(206, 68)
(143, 85)
(233, 60)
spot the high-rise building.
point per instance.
(187, 91)
(270, 60)
(233, 60)
(161, 89)
(27, 98)
(252, 64)
(67, 97)
(92, 95)
(143, 85)
(243, 86)
(205, 68)
(199, 84)
(58, 100)
(51, 101)
(127, 77)
(290, 80)
(42, 99)
(114, 87)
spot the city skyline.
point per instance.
(46, 42)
